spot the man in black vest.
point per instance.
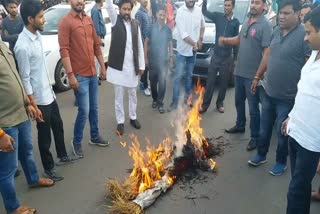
(126, 61)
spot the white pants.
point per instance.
(119, 108)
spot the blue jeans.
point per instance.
(243, 92)
(21, 134)
(274, 111)
(87, 100)
(303, 168)
(184, 67)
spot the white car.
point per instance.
(51, 47)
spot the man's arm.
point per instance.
(5, 36)
(229, 40)
(146, 48)
(98, 53)
(261, 70)
(112, 12)
(96, 20)
(64, 43)
(140, 53)
(206, 13)
(202, 29)
(236, 47)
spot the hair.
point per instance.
(98, 1)
(232, 1)
(11, 2)
(307, 5)
(30, 8)
(296, 5)
(314, 18)
(122, 2)
(162, 7)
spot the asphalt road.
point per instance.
(236, 189)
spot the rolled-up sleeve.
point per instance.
(64, 38)
(22, 58)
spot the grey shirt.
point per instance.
(287, 57)
(253, 39)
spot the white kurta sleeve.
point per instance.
(140, 52)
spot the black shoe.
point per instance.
(53, 176)
(172, 107)
(65, 160)
(135, 123)
(161, 109)
(120, 129)
(154, 104)
(18, 172)
(235, 129)
(252, 145)
(99, 141)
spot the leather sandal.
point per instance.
(24, 210)
(43, 182)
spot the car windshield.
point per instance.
(240, 11)
(53, 17)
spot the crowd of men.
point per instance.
(276, 69)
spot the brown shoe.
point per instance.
(315, 196)
(24, 210)
(43, 182)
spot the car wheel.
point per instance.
(61, 78)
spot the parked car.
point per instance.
(53, 15)
(203, 57)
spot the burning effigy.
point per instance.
(157, 168)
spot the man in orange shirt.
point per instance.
(79, 45)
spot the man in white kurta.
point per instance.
(127, 78)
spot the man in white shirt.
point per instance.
(36, 82)
(303, 123)
(126, 61)
(190, 29)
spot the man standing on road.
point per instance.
(35, 79)
(12, 25)
(15, 134)
(306, 8)
(142, 16)
(281, 67)
(100, 27)
(126, 61)
(190, 29)
(254, 40)
(79, 45)
(158, 56)
(221, 60)
(302, 124)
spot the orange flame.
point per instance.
(123, 144)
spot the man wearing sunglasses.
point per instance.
(254, 40)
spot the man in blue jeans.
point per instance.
(79, 45)
(281, 69)
(302, 124)
(15, 134)
(190, 29)
(254, 39)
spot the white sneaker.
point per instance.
(147, 92)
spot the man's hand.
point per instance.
(284, 127)
(103, 73)
(318, 168)
(6, 143)
(31, 112)
(221, 40)
(73, 82)
(146, 62)
(141, 72)
(254, 86)
(195, 46)
(39, 116)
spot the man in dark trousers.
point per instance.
(221, 60)
(254, 40)
(142, 16)
(100, 28)
(158, 55)
(12, 25)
